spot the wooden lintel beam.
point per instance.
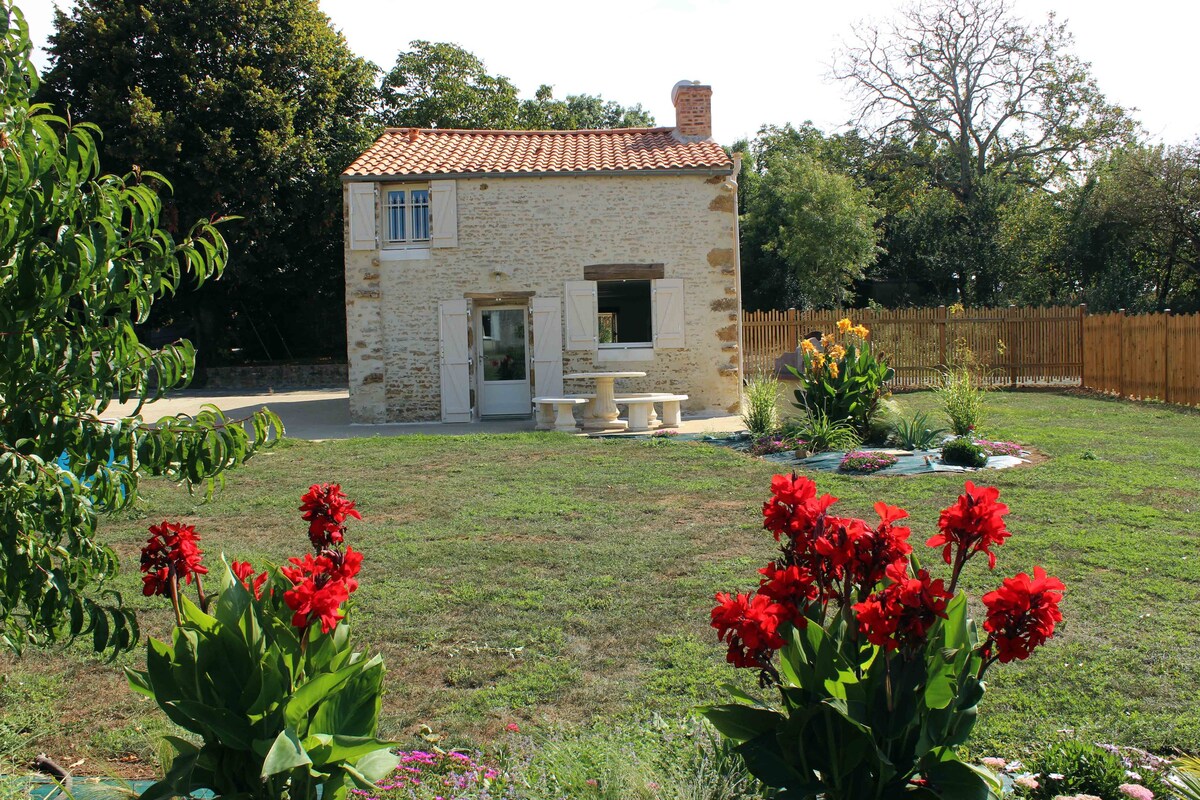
(618, 272)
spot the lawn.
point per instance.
(564, 584)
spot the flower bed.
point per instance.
(865, 462)
(1000, 448)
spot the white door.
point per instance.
(504, 361)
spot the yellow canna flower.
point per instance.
(844, 324)
(860, 331)
(837, 352)
(833, 369)
(807, 346)
(818, 360)
(827, 340)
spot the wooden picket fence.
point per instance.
(1148, 356)
(1018, 346)
(1145, 357)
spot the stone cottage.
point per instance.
(483, 265)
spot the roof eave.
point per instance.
(433, 176)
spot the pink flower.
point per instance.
(994, 763)
(513, 727)
(1132, 790)
(1027, 782)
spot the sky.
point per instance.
(767, 60)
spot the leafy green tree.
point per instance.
(441, 85)
(578, 112)
(82, 258)
(253, 107)
(808, 232)
(1002, 102)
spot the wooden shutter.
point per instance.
(443, 208)
(453, 320)
(667, 299)
(547, 346)
(583, 330)
(362, 216)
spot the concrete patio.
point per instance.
(325, 414)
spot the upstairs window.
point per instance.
(406, 215)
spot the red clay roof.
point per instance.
(409, 151)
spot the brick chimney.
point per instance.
(693, 110)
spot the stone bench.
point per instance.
(641, 409)
(563, 409)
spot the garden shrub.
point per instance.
(962, 452)
(1074, 767)
(821, 433)
(917, 433)
(760, 404)
(841, 379)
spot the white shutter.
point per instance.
(443, 208)
(583, 329)
(362, 216)
(547, 346)
(453, 320)
(667, 300)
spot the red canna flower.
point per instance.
(794, 509)
(326, 509)
(902, 614)
(972, 525)
(170, 550)
(792, 588)
(313, 600)
(243, 571)
(1021, 614)
(750, 624)
(878, 549)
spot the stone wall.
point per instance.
(531, 234)
(276, 376)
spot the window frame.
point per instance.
(409, 216)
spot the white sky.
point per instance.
(765, 59)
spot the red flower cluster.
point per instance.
(243, 571)
(170, 553)
(1021, 614)
(750, 624)
(320, 586)
(326, 509)
(972, 525)
(902, 614)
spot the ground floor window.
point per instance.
(624, 313)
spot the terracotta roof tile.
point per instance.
(409, 151)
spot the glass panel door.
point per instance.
(505, 363)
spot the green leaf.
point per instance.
(741, 723)
(287, 753)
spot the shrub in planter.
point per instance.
(877, 672)
(261, 670)
(962, 452)
(819, 433)
(760, 404)
(917, 433)
(842, 379)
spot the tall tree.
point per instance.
(253, 107)
(441, 85)
(82, 258)
(808, 232)
(1003, 102)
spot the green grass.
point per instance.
(565, 584)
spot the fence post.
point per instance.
(1166, 329)
(943, 317)
(1121, 352)
(793, 325)
(1011, 347)
(1082, 344)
